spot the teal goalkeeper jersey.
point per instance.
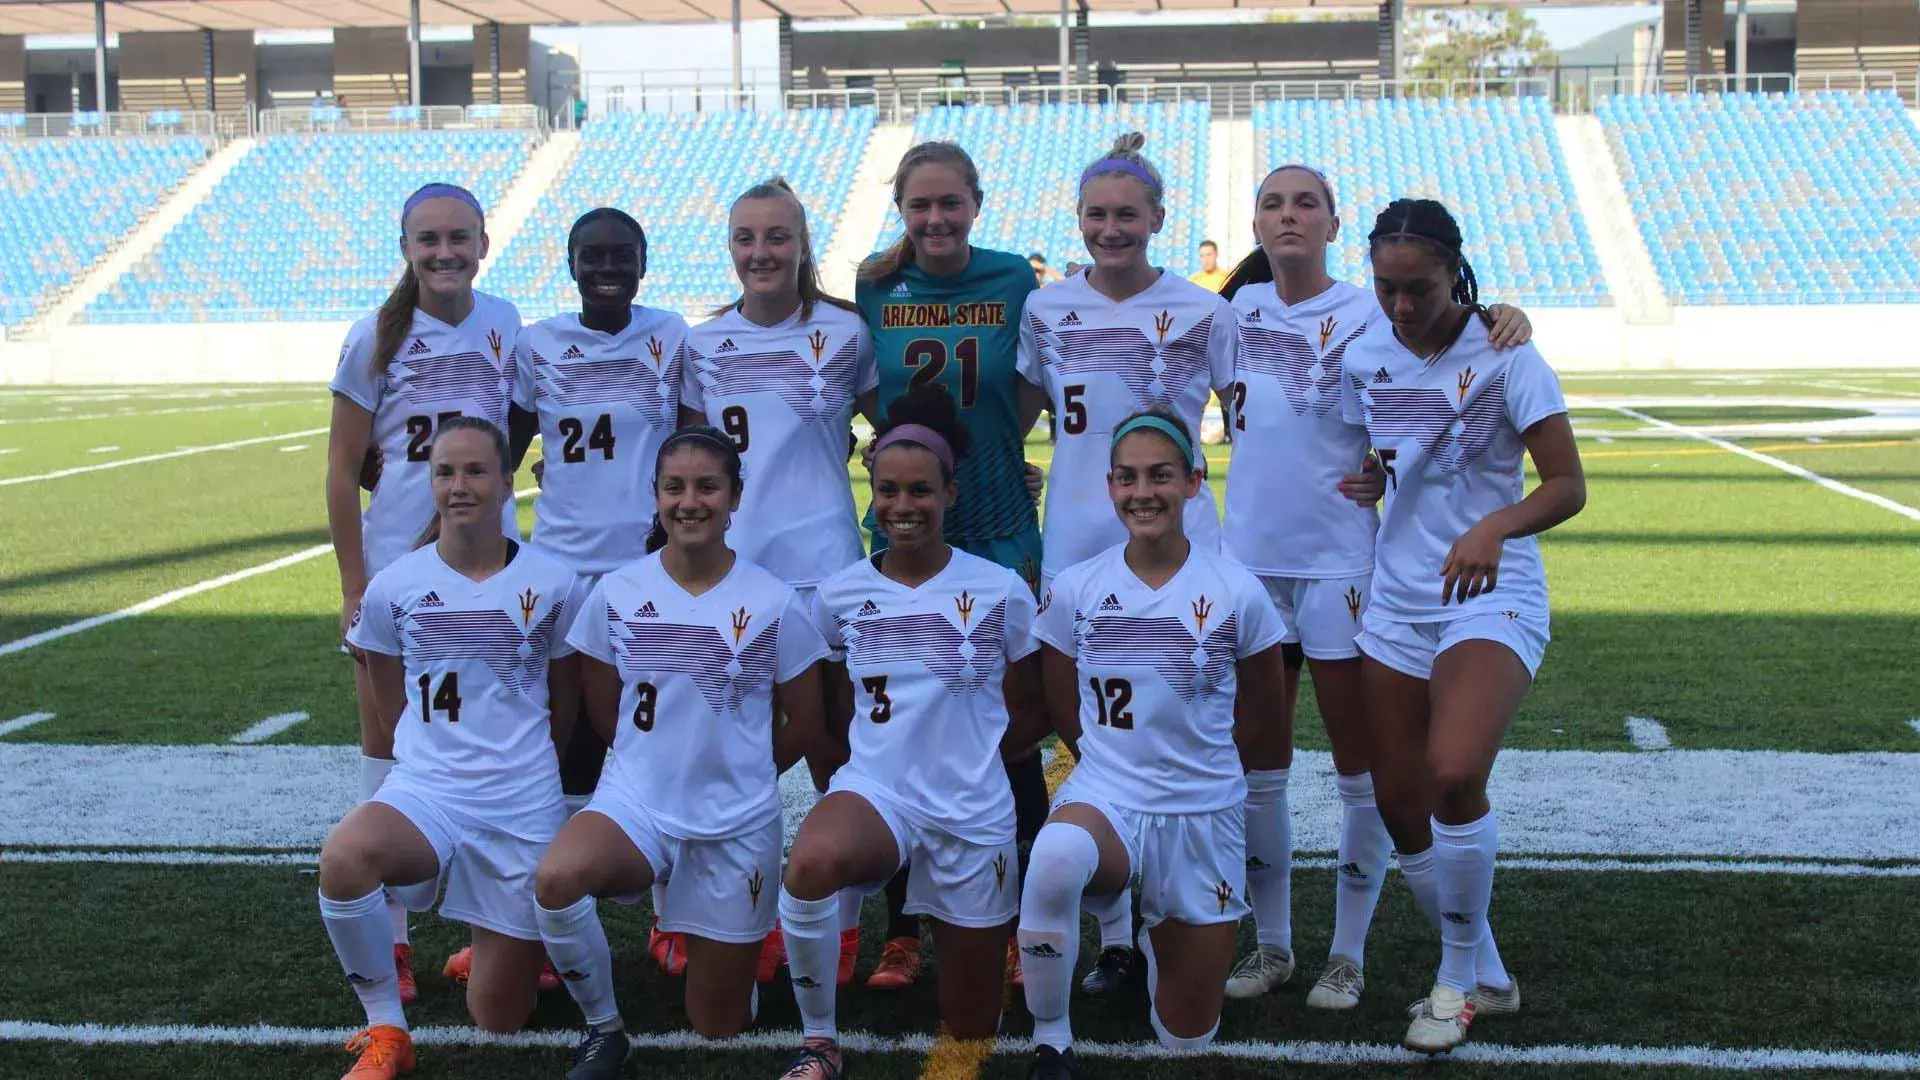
(963, 332)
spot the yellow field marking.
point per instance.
(955, 1059)
(1058, 770)
(1691, 451)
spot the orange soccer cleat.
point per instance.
(899, 965)
(668, 949)
(403, 974)
(849, 955)
(459, 966)
(773, 953)
(385, 1052)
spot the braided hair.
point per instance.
(1428, 223)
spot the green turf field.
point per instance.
(163, 589)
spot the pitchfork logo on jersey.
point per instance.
(1223, 894)
(1202, 611)
(1327, 327)
(655, 350)
(964, 602)
(740, 620)
(494, 341)
(1000, 871)
(817, 341)
(528, 601)
(754, 884)
(1162, 324)
(1466, 383)
(1353, 603)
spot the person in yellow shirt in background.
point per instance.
(1210, 276)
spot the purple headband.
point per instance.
(919, 435)
(440, 191)
(1325, 184)
(1121, 165)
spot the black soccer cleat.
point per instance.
(1051, 1064)
(1119, 968)
(600, 1055)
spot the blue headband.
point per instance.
(1121, 165)
(1155, 423)
(440, 191)
(1309, 170)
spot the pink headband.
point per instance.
(922, 436)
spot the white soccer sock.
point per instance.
(1463, 864)
(812, 929)
(576, 803)
(1063, 862)
(1178, 1044)
(1364, 845)
(1489, 969)
(364, 943)
(1116, 918)
(373, 773)
(1270, 857)
(577, 945)
(850, 899)
(1418, 870)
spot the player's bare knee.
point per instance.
(815, 874)
(348, 869)
(1456, 778)
(560, 883)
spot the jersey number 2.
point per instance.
(420, 434)
(928, 358)
(600, 438)
(446, 699)
(1113, 698)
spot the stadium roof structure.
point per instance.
(78, 16)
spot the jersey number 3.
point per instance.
(876, 685)
(928, 359)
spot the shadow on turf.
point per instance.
(82, 571)
(1574, 534)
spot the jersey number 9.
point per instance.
(733, 421)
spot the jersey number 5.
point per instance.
(928, 358)
(876, 685)
(1386, 465)
(1113, 698)
(600, 438)
(446, 699)
(420, 434)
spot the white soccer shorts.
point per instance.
(488, 871)
(951, 879)
(1409, 647)
(1191, 868)
(1321, 615)
(722, 890)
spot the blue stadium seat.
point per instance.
(1030, 157)
(305, 227)
(678, 174)
(1496, 162)
(64, 202)
(1773, 198)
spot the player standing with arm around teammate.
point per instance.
(690, 649)
(1159, 657)
(1300, 516)
(456, 637)
(945, 683)
(435, 350)
(1458, 622)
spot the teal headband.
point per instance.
(1155, 423)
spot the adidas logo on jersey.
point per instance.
(1072, 319)
(900, 291)
(1252, 316)
(868, 608)
(418, 348)
(432, 599)
(1111, 603)
(727, 346)
(573, 353)
(646, 611)
(1040, 950)
(1381, 376)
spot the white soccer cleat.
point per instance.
(1260, 972)
(1488, 1001)
(1440, 1022)
(1339, 986)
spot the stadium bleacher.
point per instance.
(305, 227)
(1496, 162)
(678, 173)
(65, 202)
(1773, 198)
(1030, 155)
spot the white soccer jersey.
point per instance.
(606, 403)
(695, 738)
(1291, 441)
(785, 395)
(439, 373)
(1169, 347)
(1158, 674)
(929, 707)
(1448, 435)
(475, 731)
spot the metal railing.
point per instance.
(1131, 93)
(107, 124)
(935, 96)
(331, 119)
(853, 98)
(1400, 89)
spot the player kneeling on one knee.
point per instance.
(1156, 654)
(457, 636)
(687, 651)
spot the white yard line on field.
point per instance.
(21, 723)
(1732, 1059)
(268, 728)
(185, 451)
(1881, 501)
(134, 413)
(1648, 734)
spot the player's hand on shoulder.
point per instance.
(1036, 480)
(1509, 327)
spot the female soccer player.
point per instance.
(940, 653)
(945, 313)
(1157, 654)
(689, 648)
(435, 350)
(1458, 622)
(1300, 516)
(456, 637)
